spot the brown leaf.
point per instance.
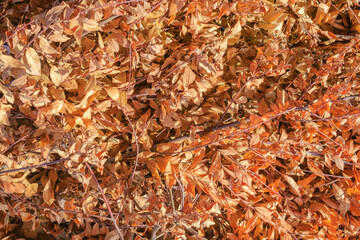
(113, 235)
(293, 184)
(13, 187)
(48, 193)
(58, 75)
(117, 95)
(339, 162)
(90, 25)
(215, 167)
(315, 169)
(344, 205)
(53, 14)
(55, 107)
(32, 62)
(188, 76)
(11, 62)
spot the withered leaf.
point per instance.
(48, 193)
(32, 62)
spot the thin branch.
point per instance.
(172, 200)
(182, 192)
(35, 166)
(236, 123)
(155, 229)
(19, 140)
(106, 201)
(30, 42)
(136, 143)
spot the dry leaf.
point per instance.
(4, 120)
(293, 184)
(32, 62)
(48, 193)
(31, 190)
(7, 93)
(11, 62)
(53, 14)
(58, 75)
(113, 235)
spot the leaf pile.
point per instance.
(180, 119)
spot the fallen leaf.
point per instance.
(48, 193)
(32, 62)
(31, 190)
(293, 184)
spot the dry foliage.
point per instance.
(179, 119)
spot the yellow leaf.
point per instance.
(4, 120)
(89, 204)
(6, 160)
(175, 6)
(47, 49)
(113, 93)
(56, 107)
(118, 96)
(122, 98)
(31, 190)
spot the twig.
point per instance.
(136, 142)
(172, 200)
(71, 212)
(31, 41)
(35, 166)
(106, 201)
(130, 66)
(234, 124)
(182, 193)
(153, 234)
(19, 140)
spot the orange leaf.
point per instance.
(197, 159)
